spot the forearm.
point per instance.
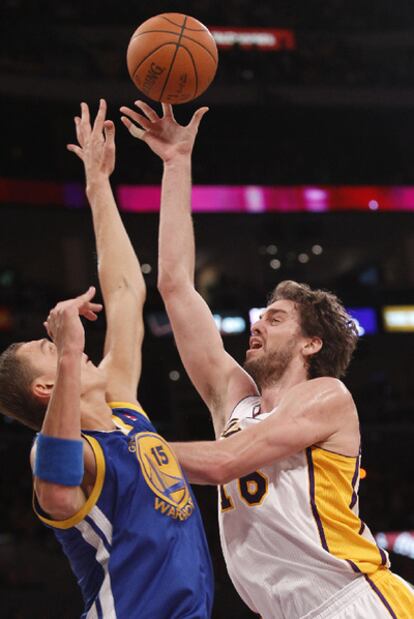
(204, 462)
(176, 236)
(62, 419)
(118, 264)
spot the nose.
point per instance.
(256, 327)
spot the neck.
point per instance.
(95, 412)
(272, 394)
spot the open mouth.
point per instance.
(255, 344)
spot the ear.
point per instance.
(312, 346)
(42, 388)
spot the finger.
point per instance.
(168, 110)
(88, 295)
(148, 111)
(85, 115)
(73, 148)
(109, 131)
(84, 126)
(197, 116)
(100, 117)
(91, 309)
(90, 316)
(136, 117)
(48, 330)
(133, 129)
(78, 130)
(94, 307)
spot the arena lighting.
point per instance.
(252, 199)
(398, 318)
(228, 323)
(255, 313)
(265, 39)
(400, 542)
(365, 319)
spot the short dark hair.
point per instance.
(16, 398)
(321, 314)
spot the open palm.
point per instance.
(96, 144)
(162, 134)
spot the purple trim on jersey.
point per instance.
(100, 533)
(354, 566)
(240, 401)
(362, 528)
(99, 608)
(312, 499)
(383, 556)
(381, 597)
(354, 481)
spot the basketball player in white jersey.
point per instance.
(288, 467)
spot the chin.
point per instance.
(253, 352)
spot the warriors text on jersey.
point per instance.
(137, 547)
(293, 541)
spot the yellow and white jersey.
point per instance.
(290, 532)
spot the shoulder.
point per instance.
(327, 388)
(324, 397)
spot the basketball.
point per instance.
(172, 58)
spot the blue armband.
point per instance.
(59, 460)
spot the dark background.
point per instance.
(337, 110)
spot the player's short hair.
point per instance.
(321, 314)
(16, 398)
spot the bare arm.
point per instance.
(219, 379)
(318, 412)
(62, 419)
(120, 276)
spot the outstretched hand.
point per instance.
(163, 134)
(96, 144)
(63, 323)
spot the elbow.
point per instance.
(56, 500)
(165, 284)
(170, 283)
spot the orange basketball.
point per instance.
(172, 58)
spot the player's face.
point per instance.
(43, 357)
(276, 339)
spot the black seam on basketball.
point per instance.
(139, 34)
(178, 25)
(150, 54)
(174, 42)
(173, 59)
(195, 70)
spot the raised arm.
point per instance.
(57, 493)
(120, 276)
(220, 381)
(319, 412)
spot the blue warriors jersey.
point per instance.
(137, 547)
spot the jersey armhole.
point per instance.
(90, 501)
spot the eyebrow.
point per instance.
(272, 312)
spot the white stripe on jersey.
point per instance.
(102, 555)
(101, 522)
(92, 614)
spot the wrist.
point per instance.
(178, 161)
(96, 182)
(69, 354)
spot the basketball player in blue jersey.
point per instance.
(107, 484)
(292, 539)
